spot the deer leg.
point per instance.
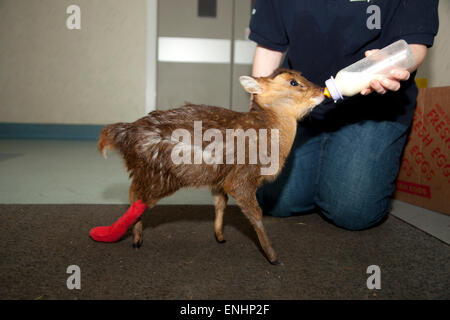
(137, 227)
(250, 207)
(138, 236)
(220, 203)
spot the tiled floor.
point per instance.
(71, 172)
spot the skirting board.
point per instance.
(49, 131)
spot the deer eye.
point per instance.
(294, 83)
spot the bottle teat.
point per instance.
(332, 90)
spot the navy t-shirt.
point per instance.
(323, 36)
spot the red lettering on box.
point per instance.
(443, 114)
(414, 188)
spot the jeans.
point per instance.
(348, 174)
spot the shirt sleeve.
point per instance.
(415, 21)
(266, 25)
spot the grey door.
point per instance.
(202, 51)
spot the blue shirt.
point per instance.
(323, 36)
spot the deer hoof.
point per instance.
(219, 241)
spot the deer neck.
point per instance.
(285, 120)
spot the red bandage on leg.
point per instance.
(116, 231)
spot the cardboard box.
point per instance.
(424, 177)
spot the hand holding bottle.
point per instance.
(386, 84)
(381, 70)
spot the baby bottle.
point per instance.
(357, 76)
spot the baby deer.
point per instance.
(151, 150)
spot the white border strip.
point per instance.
(193, 50)
(244, 51)
(204, 50)
(151, 42)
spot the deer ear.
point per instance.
(250, 84)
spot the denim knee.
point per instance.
(352, 216)
(284, 205)
(281, 210)
(358, 171)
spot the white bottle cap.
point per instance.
(332, 88)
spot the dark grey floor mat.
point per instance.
(181, 260)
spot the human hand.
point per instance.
(387, 84)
